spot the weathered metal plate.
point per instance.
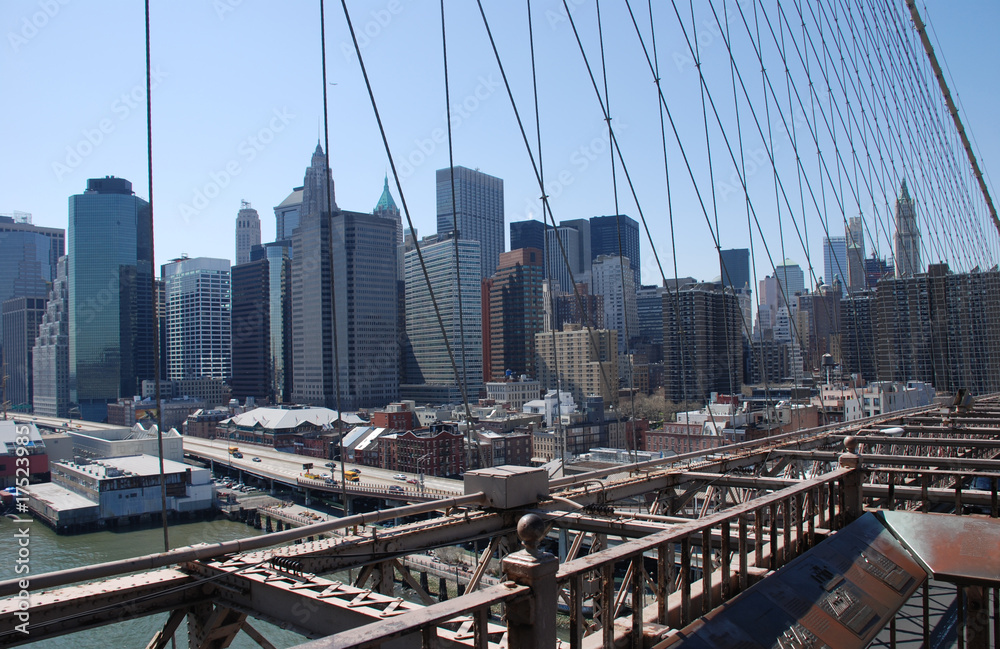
(839, 594)
(960, 549)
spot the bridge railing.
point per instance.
(701, 564)
(372, 488)
(698, 566)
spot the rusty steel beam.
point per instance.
(906, 460)
(67, 610)
(207, 551)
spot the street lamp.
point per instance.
(420, 471)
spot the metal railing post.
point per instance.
(531, 622)
(853, 503)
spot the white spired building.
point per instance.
(247, 232)
(908, 263)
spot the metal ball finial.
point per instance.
(531, 530)
(851, 444)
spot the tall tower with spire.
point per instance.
(340, 279)
(314, 194)
(907, 241)
(386, 208)
(247, 232)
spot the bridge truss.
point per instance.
(647, 550)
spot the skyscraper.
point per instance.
(620, 313)
(21, 318)
(28, 257)
(386, 209)
(604, 240)
(736, 268)
(579, 361)
(199, 324)
(791, 281)
(111, 315)
(365, 295)
(287, 215)
(856, 233)
(50, 356)
(312, 296)
(907, 239)
(702, 343)
(247, 232)
(341, 275)
(573, 245)
(430, 376)
(515, 307)
(835, 261)
(939, 327)
(529, 234)
(478, 212)
(261, 332)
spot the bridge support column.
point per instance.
(853, 481)
(308, 498)
(423, 582)
(442, 589)
(531, 622)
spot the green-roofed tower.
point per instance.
(386, 208)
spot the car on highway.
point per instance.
(256, 459)
(399, 476)
(331, 465)
(412, 480)
(395, 488)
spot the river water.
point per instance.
(50, 552)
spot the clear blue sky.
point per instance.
(237, 105)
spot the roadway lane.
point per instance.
(288, 467)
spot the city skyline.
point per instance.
(575, 144)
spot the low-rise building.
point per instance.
(119, 441)
(204, 423)
(514, 392)
(432, 452)
(286, 428)
(118, 490)
(498, 449)
(127, 412)
(14, 438)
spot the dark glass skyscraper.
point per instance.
(604, 240)
(736, 268)
(111, 316)
(261, 332)
(529, 234)
(478, 212)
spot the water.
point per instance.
(50, 552)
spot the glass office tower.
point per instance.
(111, 316)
